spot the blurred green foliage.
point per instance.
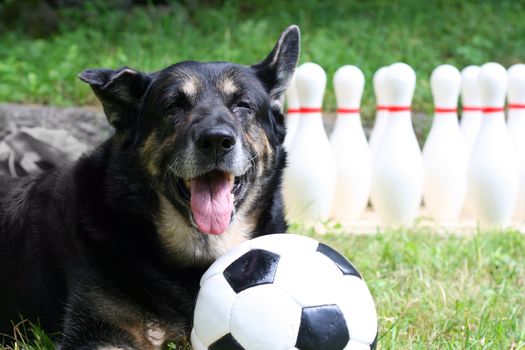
(369, 34)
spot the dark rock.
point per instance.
(87, 124)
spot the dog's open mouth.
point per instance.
(212, 196)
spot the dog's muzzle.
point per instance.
(216, 142)
(214, 178)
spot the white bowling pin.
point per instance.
(381, 109)
(471, 106)
(292, 113)
(444, 153)
(310, 178)
(470, 113)
(397, 169)
(350, 147)
(516, 126)
(493, 168)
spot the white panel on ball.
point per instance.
(259, 307)
(358, 308)
(310, 278)
(355, 345)
(196, 343)
(215, 300)
(285, 243)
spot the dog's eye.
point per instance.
(181, 101)
(173, 105)
(243, 104)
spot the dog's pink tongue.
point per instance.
(212, 202)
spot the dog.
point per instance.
(108, 252)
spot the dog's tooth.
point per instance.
(187, 183)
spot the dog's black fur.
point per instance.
(105, 251)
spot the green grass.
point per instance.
(436, 291)
(443, 292)
(368, 34)
(28, 336)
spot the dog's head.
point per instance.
(205, 134)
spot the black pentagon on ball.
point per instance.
(344, 265)
(256, 267)
(227, 342)
(322, 327)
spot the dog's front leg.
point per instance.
(86, 332)
(84, 329)
(97, 319)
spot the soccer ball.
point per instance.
(283, 291)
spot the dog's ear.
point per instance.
(120, 92)
(276, 70)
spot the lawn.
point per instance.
(436, 291)
(369, 34)
(443, 292)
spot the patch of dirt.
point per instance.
(87, 124)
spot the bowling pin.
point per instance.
(310, 178)
(292, 113)
(444, 152)
(397, 169)
(493, 178)
(350, 147)
(471, 106)
(381, 109)
(516, 126)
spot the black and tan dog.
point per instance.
(109, 251)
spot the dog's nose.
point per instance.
(216, 141)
